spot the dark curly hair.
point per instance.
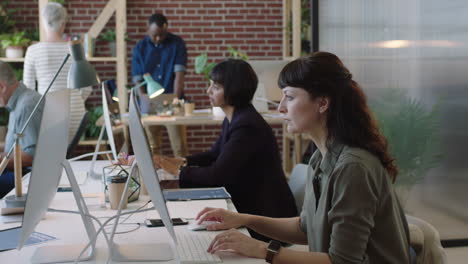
(349, 119)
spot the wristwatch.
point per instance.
(272, 249)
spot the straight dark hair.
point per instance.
(349, 120)
(238, 79)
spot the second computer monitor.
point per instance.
(51, 149)
(107, 122)
(146, 165)
(268, 72)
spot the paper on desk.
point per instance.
(187, 209)
(273, 115)
(6, 219)
(165, 176)
(202, 111)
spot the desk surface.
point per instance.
(69, 229)
(198, 119)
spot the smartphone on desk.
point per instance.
(159, 222)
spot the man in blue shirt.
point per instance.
(20, 102)
(164, 56)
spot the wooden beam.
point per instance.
(296, 16)
(102, 19)
(42, 33)
(286, 30)
(121, 53)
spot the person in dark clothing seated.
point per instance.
(245, 158)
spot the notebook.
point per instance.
(196, 194)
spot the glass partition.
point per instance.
(411, 58)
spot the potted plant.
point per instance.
(202, 67)
(7, 25)
(109, 37)
(14, 44)
(413, 134)
(92, 130)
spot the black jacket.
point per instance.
(246, 161)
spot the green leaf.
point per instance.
(14, 39)
(208, 69)
(412, 130)
(91, 129)
(200, 62)
(108, 36)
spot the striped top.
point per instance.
(41, 63)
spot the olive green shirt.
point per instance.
(358, 218)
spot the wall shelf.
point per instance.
(102, 59)
(12, 59)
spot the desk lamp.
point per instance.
(80, 75)
(153, 88)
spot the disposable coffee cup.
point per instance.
(116, 188)
(189, 107)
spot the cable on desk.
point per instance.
(138, 225)
(102, 225)
(124, 220)
(87, 215)
(101, 228)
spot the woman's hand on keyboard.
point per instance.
(227, 219)
(171, 165)
(238, 242)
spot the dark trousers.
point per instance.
(7, 182)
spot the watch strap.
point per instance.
(272, 249)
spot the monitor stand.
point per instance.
(137, 252)
(96, 152)
(142, 252)
(68, 253)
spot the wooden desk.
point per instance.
(272, 118)
(68, 228)
(150, 120)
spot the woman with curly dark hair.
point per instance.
(351, 213)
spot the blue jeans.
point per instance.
(7, 182)
(412, 255)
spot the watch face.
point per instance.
(274, 246)
(272, 249)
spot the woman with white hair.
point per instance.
(44, 58)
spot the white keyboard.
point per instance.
(192, 247)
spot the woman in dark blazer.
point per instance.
(245, 158)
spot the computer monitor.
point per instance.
(106, 127)
(268, 72)
(146, 252)
(51, 148)
(107, 122)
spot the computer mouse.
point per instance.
(198, 227)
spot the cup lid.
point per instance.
(117, 179)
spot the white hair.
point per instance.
(54, 16)
(6, 73)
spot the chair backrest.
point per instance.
(81, 129)
(425, 240)
(297, 182)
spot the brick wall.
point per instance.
(207, 26)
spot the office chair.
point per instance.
(81, 129)
(297, 182)
(425, 240)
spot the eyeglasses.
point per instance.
(316, 184)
